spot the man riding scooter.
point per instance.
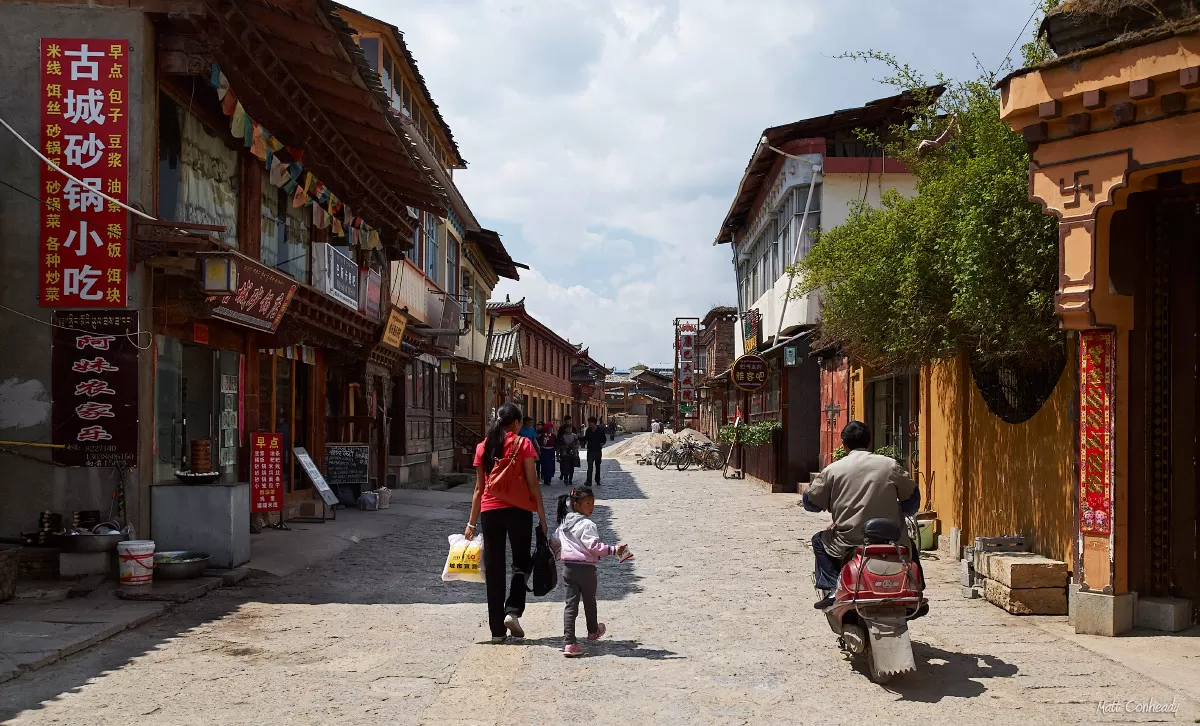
(856, 489)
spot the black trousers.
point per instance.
(593, 461)
(827, 567)
(516, 526)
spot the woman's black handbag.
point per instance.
(545, 570)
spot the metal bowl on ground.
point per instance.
(179, 564)
(87, 542)
(187, 477)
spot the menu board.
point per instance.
(347, 463)
(347, 469)
(314, 475)
(266, 472)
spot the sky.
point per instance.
(605, 140)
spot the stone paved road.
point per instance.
(710, 624)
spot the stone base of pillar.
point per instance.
(1094, 613)
(1169, 614)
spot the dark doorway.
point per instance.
(1164, 227)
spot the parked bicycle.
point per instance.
(686, 454)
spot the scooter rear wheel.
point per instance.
(876, 676)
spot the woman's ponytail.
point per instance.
(493, 445)
(562, 507)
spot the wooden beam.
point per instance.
(387, 138)
(1093, 100)
(274, 24)
(274, 95)
(322, 85)
(288, 107)
(293, 54)
(409, 192)
(172, 7)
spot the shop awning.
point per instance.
(789, 341)
(495, 253)
(297, 71)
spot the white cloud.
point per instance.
(606, 139)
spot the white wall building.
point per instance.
(816, 164)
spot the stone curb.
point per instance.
(213, 580)
(78, 646)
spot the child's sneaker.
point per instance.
(598, 634)
(572, 650)
(514, 626)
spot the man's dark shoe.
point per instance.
(825, 602)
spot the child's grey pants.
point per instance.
(580, 582)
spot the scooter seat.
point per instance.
(881, 531)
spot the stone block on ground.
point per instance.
(1024, 570)
(1012, 543)
(1028, 601)
(1168, 614)
(74, 564)
(229, 578)
(42, 591)
(171, 590)
(38, 563)
(970, 593)
(1100, 614)
(966, 574)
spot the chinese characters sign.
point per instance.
(393, 332)
(261, 299)
(266, 472)
(686, 330)
(749, 372)
(85, 130)
(751, 330)
(1097, 357)
(336, 276)
(94, 373)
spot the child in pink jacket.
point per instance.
(577, 544)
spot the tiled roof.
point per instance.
(506, 304)
(496, 254)
(506, 347)
(618, 378)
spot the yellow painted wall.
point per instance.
(994, 478)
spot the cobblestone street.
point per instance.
(711, 623)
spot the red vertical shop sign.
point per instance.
(1097, 356)
(85, 130)
(266, 472)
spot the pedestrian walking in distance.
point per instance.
(595, 438)
(507, 493)
(547, 451)
(568, 450)
(577, 545)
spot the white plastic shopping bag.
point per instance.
(465, 561)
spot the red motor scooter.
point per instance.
(878, 592)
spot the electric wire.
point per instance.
(68, 175)
(1037, 5)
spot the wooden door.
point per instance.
(835, 404)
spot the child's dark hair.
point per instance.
(578, 494)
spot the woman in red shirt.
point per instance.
(502, 521)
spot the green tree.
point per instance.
(969, 264)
